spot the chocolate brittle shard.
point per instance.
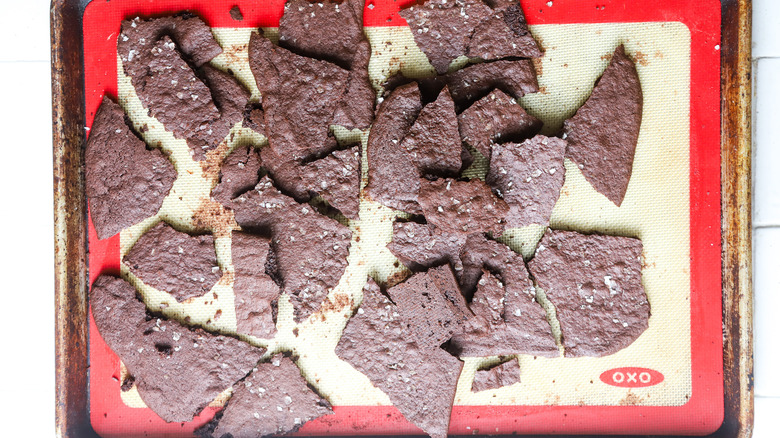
(529, 177)
(255, 291)
(595, 283)
(496, 118)
(177, 369)
(392, 175)
(420, 382)
(300, 96)
(274, 399)
(125, 182)
(432, 305)
(433, 142)
(602, 136)
(171, 261)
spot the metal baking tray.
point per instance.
(71, 231)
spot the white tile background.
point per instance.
(27, 337)
(766, 214)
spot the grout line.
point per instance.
(761, 227)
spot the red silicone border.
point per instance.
(702, 414)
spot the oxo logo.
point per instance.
(631, 377)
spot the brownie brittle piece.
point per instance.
(238, 174)
(180, 264)
(462, 207)
(311, 255)
(171, 90)
(260, 208)
(300, 96)
(529, 177)
(432, 305)
(336, 178)
(255, 291)
(433, 142)
(125, 182)
(327, 29)
(603, 134)
(420, 246)
(443, 28)
(595, 283)
(178, 370)
(496, 118)
(231, 99)
(356, 109)
(274, 399)
(503, 34)
(419, 381)
(392, 175)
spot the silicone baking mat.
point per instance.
(670, 379)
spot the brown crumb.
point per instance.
(340, 302)
(542, 46)
(211, 215)
(217, 314)
(213, 161)
(631, 399)
(640, 58)
(226, 280)
(235, 13)
(538, 66)
(127, 383)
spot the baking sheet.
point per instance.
(694, 171)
